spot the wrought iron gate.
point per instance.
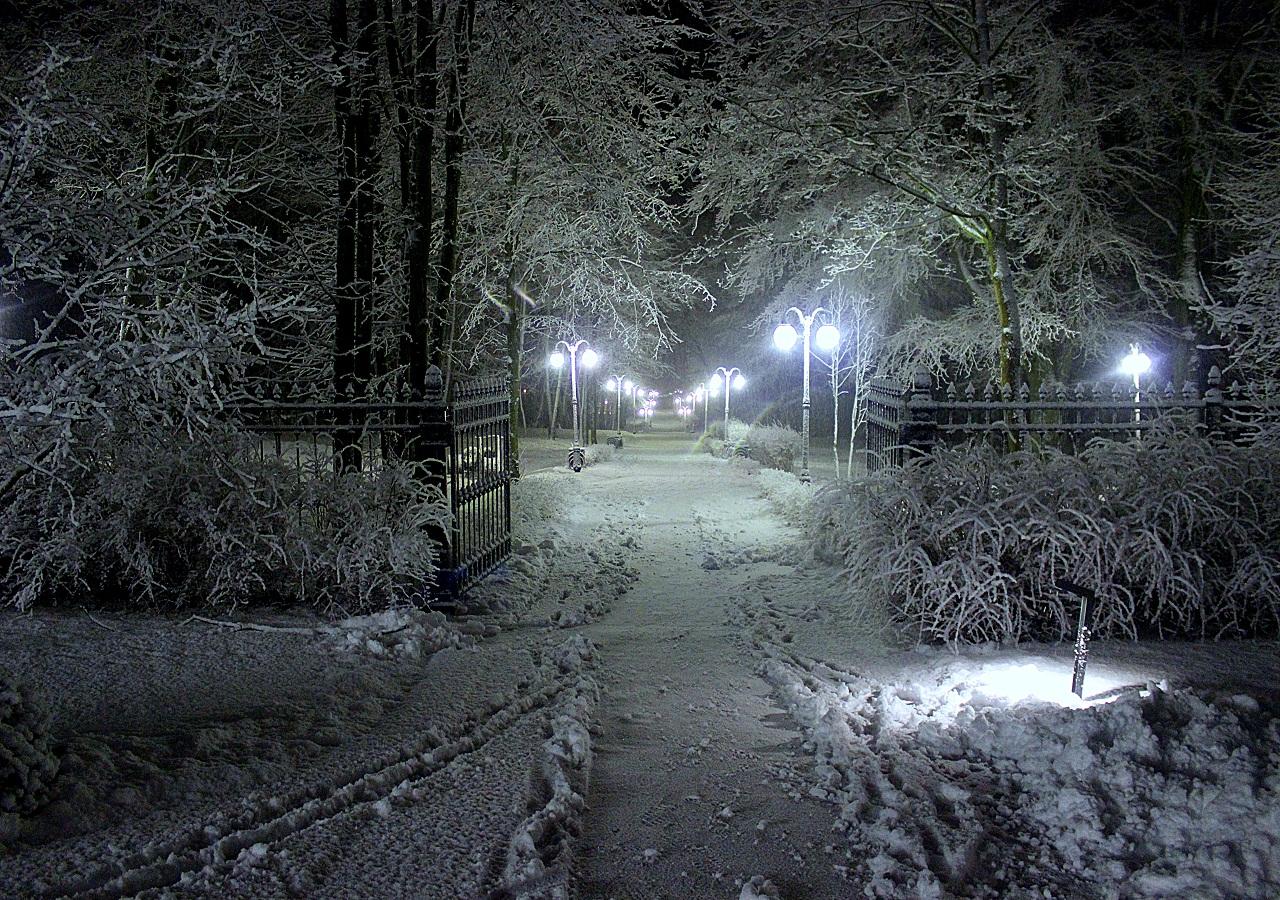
(464, 444)
(479, 414)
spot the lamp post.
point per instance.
(701, 394)
(784, 338)
(622, 386)
(577, 455)
(733, 378)
(1136, 364)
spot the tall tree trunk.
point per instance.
(997, 244)
(346, 298)
(463, 20)
(366, 161)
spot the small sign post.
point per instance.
(1088, 600)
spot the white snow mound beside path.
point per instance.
(540, 856)
(956, 778)
(406, 633)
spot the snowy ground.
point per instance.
(664, 698)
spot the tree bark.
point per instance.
(464, 18)
(346, 298)
(997, 245)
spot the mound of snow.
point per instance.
(986, 772)
(27, 762)
(405, 633)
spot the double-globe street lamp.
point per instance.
(784, 338)
(622, 386)
(733, 379)
(577, 455)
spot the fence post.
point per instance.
(1213, 401)
(919, 430)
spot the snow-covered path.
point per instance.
(693, 785)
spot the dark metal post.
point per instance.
(919, 431)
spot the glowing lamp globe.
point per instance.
(784, 337)
(739, 382)
(611, 384)
(1136, 364)
(590, 358)
(827, 338)
(626, 384)
(555, 360)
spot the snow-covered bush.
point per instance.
(773, 446)
(154, 518)
(1179, 536)
(27, 761)
(713, 441)
(788, 496)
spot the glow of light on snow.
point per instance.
(590, 358)
(1136, 363)
(827, 338)
(1043, 682)
(784, 337)
(555, 360)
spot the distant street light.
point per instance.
(577, 455)
(733, 379)
(622, 386)
(784, 338)
(1136, 364)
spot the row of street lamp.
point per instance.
(785, 336)
(580, 354)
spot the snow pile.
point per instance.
(27, 762)
(987, 776)
(540, 855)
(536, 500)
(405, 633)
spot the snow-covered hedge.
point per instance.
(27, 762)
(773, 446)
(1179, 536)
(789, 497)
(161, 519)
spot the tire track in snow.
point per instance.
(272, 819)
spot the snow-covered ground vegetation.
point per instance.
(152, 518)
(773, 446)
(1176, 534)
(789, 498)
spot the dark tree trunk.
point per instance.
(463, 20)
(346, 298)
(366, 132)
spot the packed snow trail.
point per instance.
(696, 782)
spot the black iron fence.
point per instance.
(911, 418)
(461, 442)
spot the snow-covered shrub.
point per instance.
(598, 453)
(155, 518)
(773, 446)
(1178, 535)
(27, 761)
(788, 496)
(712, 440)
